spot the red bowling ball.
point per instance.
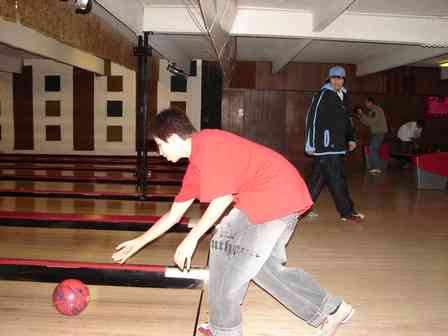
(71, 297)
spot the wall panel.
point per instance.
(23, 109)
(107, 140)
(42, 71)
(192, 97)
(83, 110)
(296, 108)
(6, 112)
(244, 75)
(233, 111)
(265, 80)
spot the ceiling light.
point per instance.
(172, 68)
(444, 65)
(83, 6)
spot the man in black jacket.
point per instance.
(329, 135)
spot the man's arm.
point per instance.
(186, 249)
(364, 119)
(126, 249)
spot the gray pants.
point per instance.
(240, 252)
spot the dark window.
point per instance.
(114, 134)
(53, 133)
(178, 84)
(181, 105)
(52, 83)
(115, 83)
(53, 108)
(193, 69)
(114, 108)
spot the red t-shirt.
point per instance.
(265, 185)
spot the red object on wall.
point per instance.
(436, 106)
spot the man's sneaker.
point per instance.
(309, 215)
(204, 329)
(333, 321)
(312, 214)
(353, 217)
(375, 171)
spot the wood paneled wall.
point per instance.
(257, 102)
(232, 104)
(7, 10)
(83, 110)
(23, 109)
(57, 19)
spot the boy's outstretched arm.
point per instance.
(186, 249)
(128, 248)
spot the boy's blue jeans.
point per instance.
(240, 252)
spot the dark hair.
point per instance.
(357, 107)
(172, 121)
(370, 99)
(421, 123)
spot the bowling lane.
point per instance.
(92, 206)
(86, 176)
(84, 187)
(25, 307)
(70, 186)
(88, 246)
(87, 166)
(26, 310)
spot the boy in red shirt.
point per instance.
(268, 195)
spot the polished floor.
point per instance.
(393, 268)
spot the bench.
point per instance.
(431, 170)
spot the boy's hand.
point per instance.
(184, 253)
(127, 249)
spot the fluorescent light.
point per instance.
(82, 4)
(444, 65)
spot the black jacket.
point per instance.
(328, 124)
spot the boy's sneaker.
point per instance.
(353, 217)
(333, 321)
(204, 329)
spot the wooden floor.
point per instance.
(393, 268)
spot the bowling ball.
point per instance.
(71, 297)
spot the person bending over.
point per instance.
(266, 194)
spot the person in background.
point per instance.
(376, 121)
(329, 136)
(357, 110)
(408, 133)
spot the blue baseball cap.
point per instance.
(336, 71)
